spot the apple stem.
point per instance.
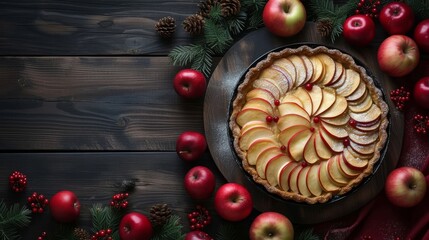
(286, 8)
(412, 186)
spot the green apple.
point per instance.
(284, 17)
(271, 226)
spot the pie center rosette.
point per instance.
(308, 123)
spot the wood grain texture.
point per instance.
(216, 116)
(92, 103)
(89, 27)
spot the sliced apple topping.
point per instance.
(313, 181)
(329, 65)
(301, 72)
(259, 103)
(334, 144)
(290, 120)
(363, 106)
(318, 69)
(339, 71)
(253, 135)
(365, 139)
(272, 168)
(338, 108)
(302, 182)
(335, 131)
(249, 125)
(285, 135)
(275, 75)
(335, 173)
(322, 150)
(289, 67)
(350, 85)
(261, 93)
(360, 92)
(284, 175)
(297, 143)
(345, 169)
(310, 154)
(308, 67)
(316, 97)
(251, 114)
(266, 156)
(329, 98)
(368, 127)
(363, 149)
(372, 114)
(305, 98)
(293, 179)
(340, 81)
(354, 162)
(258, 146)
(338, 121)
(292, 108)
(269, 86)
(326, 182)
(290, 98)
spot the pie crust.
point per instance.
(354, 147)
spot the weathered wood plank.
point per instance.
(92, 103)
(89, 27)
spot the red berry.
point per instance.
(312, 129)
(269, 119)
(352, 122)
(275, 119)
(308, 86)
(119, 201)
(346, 142)
(276, 102)
(199, 218)
(37, 202)
(400, 97)
(17, 181)
(316, 119)
(283, 148)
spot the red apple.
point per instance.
(135, 226)
(64, 206)
(421, 92)
(191, 145)
(398, 55)
(199, 182)
(284, 17)
(190, 83)
(359, 30)
(396, 18)
(233, 202)
(271, 226)
(421, 35)
(197, 235)
(405, 186)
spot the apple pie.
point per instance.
(308, 123)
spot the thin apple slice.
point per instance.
(359, 155)
(360, 100)
(258, 146)
(301, 72)
(302, 182)
(286, 75)
(285, 135)
(338, 121)
(363, 149)
(316, 97)
(277, 77)
(308, 67)
(360, 92)
(365, 139)
(290, 120)
(335, 173)
(290, 98)
(372, 114)
(305, 98)
(340, 81)
(339, 71)
(251, 124)
(322, 150)
(293, 178)
(363, 106)
(284, 175)
(369, 127)
(272, 168)
(313, 181)
(297, 143)
(329, 64)
(289, 67)
(338, 108)
(329, 98)
(266, 156)
(261, 93)
(345, 169)
(292, 108)
(325, 180)
(251, 114)
(351, 84)
(253, 135)
(354, 162)
(335, 131)
(310, 154)
(334, 143)
(318, 69)
(259, 103)
(269, 86)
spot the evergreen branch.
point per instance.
(255, 19)
(105, 217)
(171, 230)
(216, 37)
(215, 13)
(253, 4)
(12, 219)
(183, 55)
(203, 62)
(307, 235)
(237, 24)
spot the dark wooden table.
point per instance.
(86, 100)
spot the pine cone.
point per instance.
(205, 7)
(166, 26)
(81, 234)
(194, 24)
(324, 27)
(159, 214)
(230, 8)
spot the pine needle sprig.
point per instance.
(307, 235)
(104, 217)
(197, 56)
(238, 24)
(216, 37)
(171, 230)
(12, 219)
(215, 13)
(256, 4)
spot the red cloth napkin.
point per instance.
(379, 219)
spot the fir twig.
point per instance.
(105, 217)
(307, 235)
(171, 230)
(12, 219)
(197, 56)
(216, 37)
(238, 24)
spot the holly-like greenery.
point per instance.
(12, 219)
(171, 230)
